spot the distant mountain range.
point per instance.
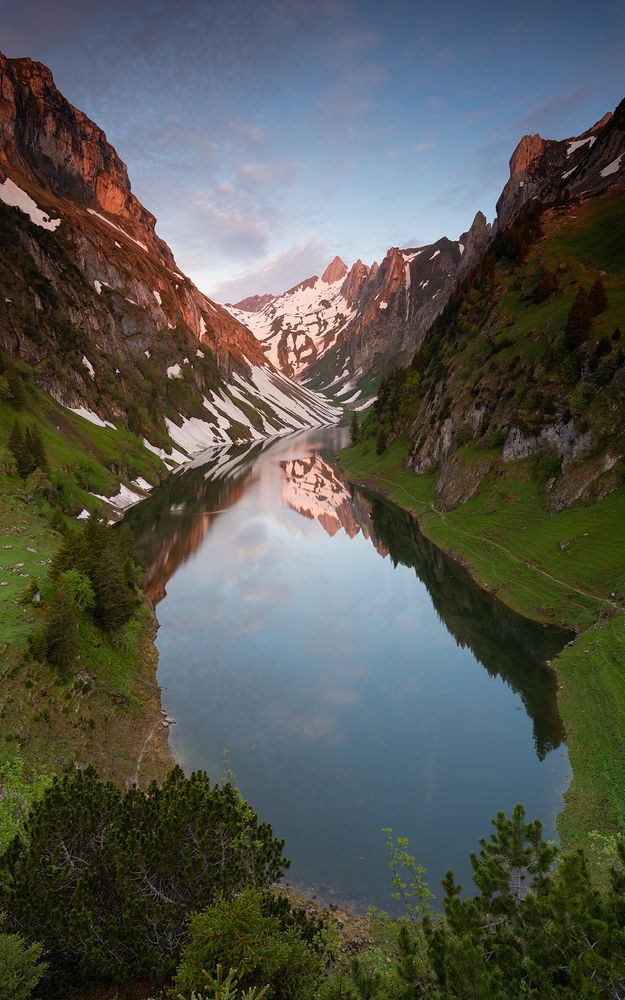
(339, 333)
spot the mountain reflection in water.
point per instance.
(270, 633)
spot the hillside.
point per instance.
(92, 301)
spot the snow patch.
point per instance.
(118, 228)
(614, 167)
(581, 142)
(157, 296)
(84, 515)
(567, 173)
(142, 484)
(122, 500)
(199, 353)
(175, 458)
(461, 247)
(382, 305)
(88, 366)
(92, 417)
(98, 286)
(13, 195)
(174, 371)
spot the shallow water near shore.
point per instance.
(354, 673)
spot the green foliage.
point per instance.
(381, 443)
(408, 879)
(79, 587)
(107, 880)
(546, 285)
(241, 934)
(218, 988)
(63, 616)
(104, 557)
(17, 796)
(20, 967)
(27, 449)
(546, 464)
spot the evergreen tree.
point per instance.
(381, 443)
(57, 521)
(115, 598)
(34, 445)
(354, 428)
(597, 298)
(16, 387)
(579, 321)
(547, 285)
(62, 627)
(17, 446)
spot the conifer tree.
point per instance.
(354, 428)
(62, 627)
(17, 446)
(579, 321)
(597, 298)
(34, 445)
(115, 599)
(381, 442)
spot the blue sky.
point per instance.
(269, 135)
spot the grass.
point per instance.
(560, 568)
(105, 717)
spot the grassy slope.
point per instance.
(512, 546)
(106, 720)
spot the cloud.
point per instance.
(278, 273)
(237, 232)
(425, 147)
(270, 173)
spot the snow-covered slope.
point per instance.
(297, 328)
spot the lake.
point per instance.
(354, 673)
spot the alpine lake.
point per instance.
(354, 674)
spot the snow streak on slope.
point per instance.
(297, 328)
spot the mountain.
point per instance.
(527, 359)
(341, 339)
(94, 305)
(339, 332)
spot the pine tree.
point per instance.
(16, 387)
(597, 298)
(62, 628)
(115, 599)
(381, 443)
(57, 521)
(547, 285)
(17, 446)
(34, 445)
(579, 321)
(107, 880)
(354, 428)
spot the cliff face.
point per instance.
(92, 298)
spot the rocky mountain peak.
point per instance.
(356, 277)
(528, 150)
(254, 303)
(336, 270)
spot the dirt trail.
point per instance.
(134, 779)
(511, 555)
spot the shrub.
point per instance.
(107, 880)
(239, 933)
(20, 968)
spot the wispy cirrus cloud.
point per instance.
(277, 273)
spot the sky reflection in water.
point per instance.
(354, 673)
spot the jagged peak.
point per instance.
(528, 150)
(335, 270)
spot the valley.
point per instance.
(347, 559)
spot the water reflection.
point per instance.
(354, 671)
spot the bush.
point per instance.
(239, 933)
(107, 880)
(20, 968)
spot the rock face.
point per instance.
(254, 303)
(583, 165)
(93, 300)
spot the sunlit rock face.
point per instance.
(102, 312)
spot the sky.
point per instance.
(269, 135)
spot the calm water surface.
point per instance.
(355, 674)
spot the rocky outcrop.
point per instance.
(254, 303)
